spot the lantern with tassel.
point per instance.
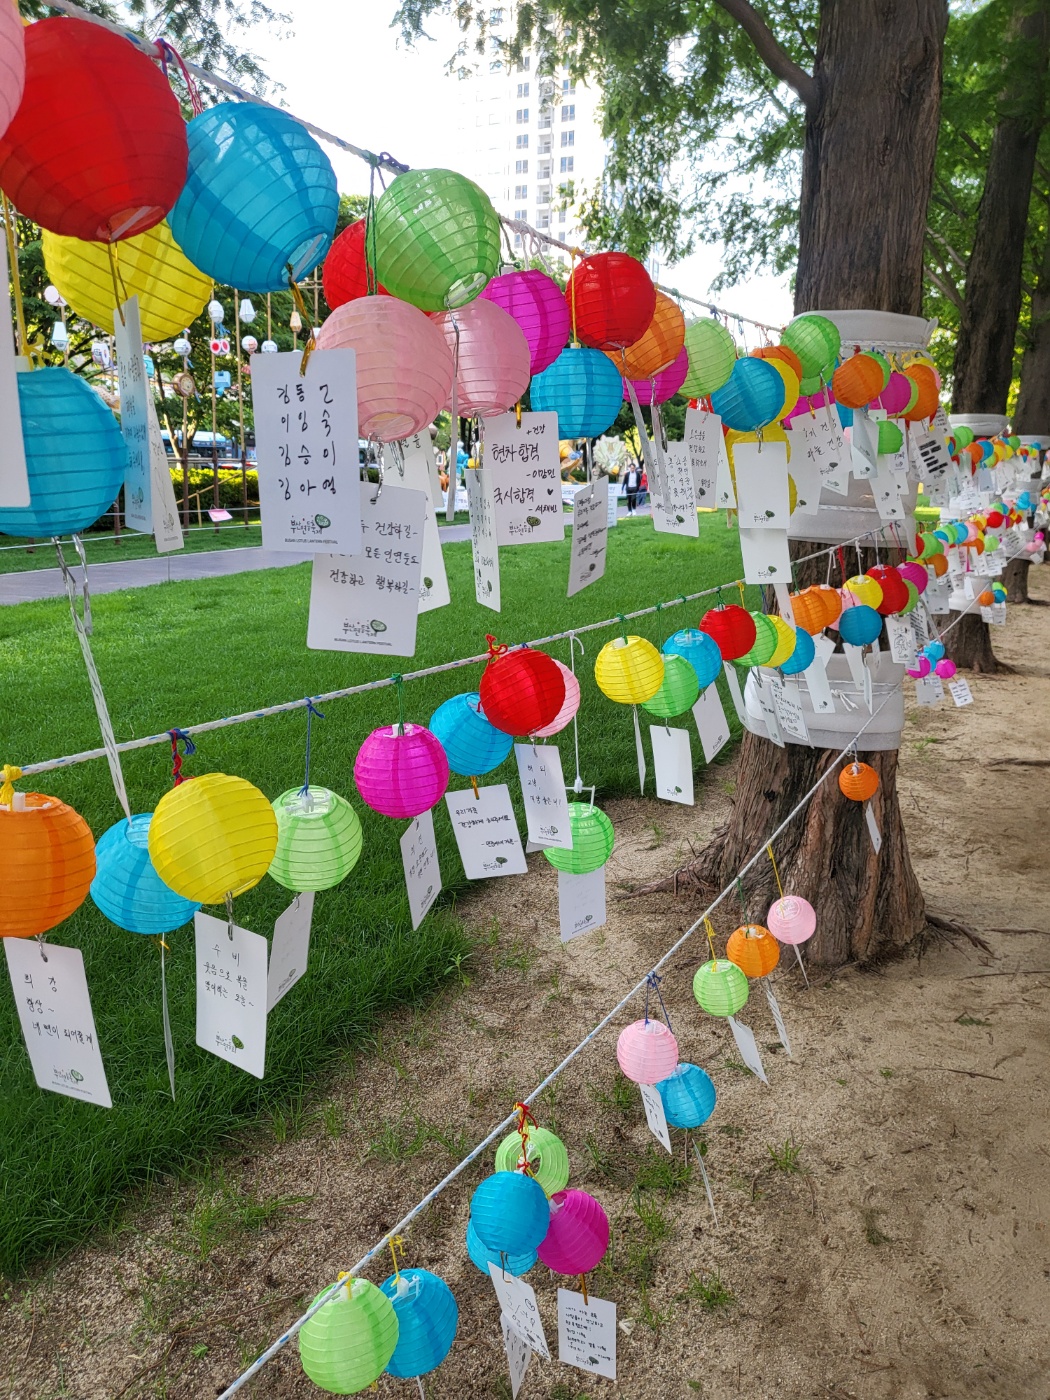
(712, 355)
(858, 781)
(611, 300)
(732, 629)
(647, 1051)
(471, 744)
(629, 670)
(583, 388)
(319, 839)
(545, 1153)
(536, 302)
(47, 862)
(521, 690)
(679, 690)
(592, 841)
(791, 919)
(578, 1237)
(720, 987)
(688, 1096)
(427, 1318)
(509, 1213)
(700, 650)
(753, 949)
(491, 356)
(659, 346)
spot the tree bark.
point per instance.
(1032, 414)
(969, 644)
(1015, 580)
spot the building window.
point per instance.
(521, 213)
(543, 194)
(523, 89)
(495, 66)
(521, 142)
(561, 215)
(544, 171)
(568, 138)
(544, 123)
(517, 240)
(521, 191)
(567, 163)
(568, 87)
(525, 64)
(521, 167)
(544, 147)
(543, 219)
(568, 112)
(522, 115)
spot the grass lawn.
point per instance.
(179, 653)
(106, 548)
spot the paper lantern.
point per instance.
(12, 62)
(481, 1257)
(346, 1346)
(611, 300)
(663, 387)
(754, 950)
(47, 863)
(732, 628)
(647, 1051)
(934, 650)
(510, 1213)
(700, 650)
(427, 1318)
(345, 275)
(127, 889)
(678, 692)
(319, 839)
(891, 439)
(864, 588)
(97, 147)
(922, 668)
(75, 455)
(658, 347)
(570, 704)
(578, 1237)
(857, 380)
(897, 394)
(914, 573)
(521, 690)
(404, 367)
(945, 668)
(786, 639)
(792, 920)
(858, 782)
(538, 305)
(471, 744)
(894, 592)
(859, 625)
(492, 358)
(810, 611)
(986, 598)
(688, 1096)
(260, 201)
(401, 774)
(783, 353)
(752, 398)
(712, 355)
(547, 1158)
(583, 388)
(629, 671)
(592, 841)
(816, 342)
(928, 398)
(212, 836)
(720, 988)
(803, 655)
(765, 644)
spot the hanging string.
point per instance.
(269, 318)
(525, 1117)
(397, 1247)
(300, 306)
(371, 280)
(710, 931)
(166, 49)
(188, 748)
(652, 983)
(311, 710)
(120, 292)
(574, 642)
(16, 278)
(776, 875)
(399, 685)
(576, 253)
(743, 897)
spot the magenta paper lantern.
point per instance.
(13, 64)
(492, 358)
(914, 573)
(945, 668)
(578, 1237)
(401, 774)
(921, 669)
(647, 1051)
(896, 396)
(811, 403)
(538, 305)
(663, 386)
(791, 920)
(404, 367)
(569, 707)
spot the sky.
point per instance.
(346, 70)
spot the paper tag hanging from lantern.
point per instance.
(674, 512)
(422, 872)
(486, 832)
(483, 542)
(703, 441)
(519, 1354)
(762, 495)
(290, 949)
(231, 992)
(522, 462)
(747, 1045)
(778, 1017)
(655, 1114)
(165, 523)
(581, 902)
(711, 723)
(672, 763)
(517, 1300)
(134, 416)
(766, 556)
(590, 534)
(419, 473)
(543, 791)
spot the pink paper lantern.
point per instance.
(12, 62)
(647, 1051)
(1032, 548)
(569, 707)
(791, 919)
(921, 669)
(915, 573)
(945, 668)
(663, 386)
(404, 367)
(536, 302)
(493, 358)
(814, 402)
(896, 396)
(578, 1237)
(401, 774)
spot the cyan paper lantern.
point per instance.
(700, 650)
(481, 1257)
(472, 744)
(803, 655)
(688, 1096)
(427, 1317)
(583, 388)
(127, 889)
(753, 396)
(510, 1213)
(860, 625)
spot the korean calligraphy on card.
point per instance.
(543, 788)
(483, 543)
(590, 534)
(525, 472)
(54, 1009)
(231, 992)
(674, 513)
(486, 832)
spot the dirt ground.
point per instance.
(894, 1248)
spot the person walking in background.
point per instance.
(632, 483)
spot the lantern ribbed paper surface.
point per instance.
(859, 625)
(47, 863)
(700, 650)
(803, 655)
(611, 300)
(945, 668)
(481, 1256)
(128, 890)
(753, 396)
(401, 775)
(857, 381)
(647, 1051)
(522, 691)
(891, 439)
(471, 744)
(437, 239)
(783, 353)
(427, 1317)
(865, 588)
(319, 839)
(928, 396)
(688, 1096)
(809, 610)
(934, 650)
(578, 1237)
(732, 629)
(347, 1345)
(75, 455)
(816, 342)
(786, 638)
(754, 950)
(537, 304)
(720, 988)
(510, 1213)
(858, 781)
(712, 355)
(570, 704)
(592, 841)
(12, 62)
(547, 1157)
(97, 147)
(493, 358)
(765, 644)
(791, 384)
(658, 347)
(832, 600)
(404, 367)
(171, 291)
(629, 672)
(922, 668)
(678, 691)
(891, 585)
(212, 836)
(664, 386)
(583, 388)
(345, 272)
(260, 200)
(791, 920)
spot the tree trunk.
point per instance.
(1015, 580)
(1032, 414)
(969, 644)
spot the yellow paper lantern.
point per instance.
(629, 671)
(151, 266)
(212, 836)
(866, 590)
(792, 385)
(786, 642)
(774, 432)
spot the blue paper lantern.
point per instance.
(260, 200)
(481, 1257)
(700, 650)
(427, 1317)
(583, 387)
(126, 887)
(802, 656)
(510, 1213)
(859, 625)
(934, 650)
(472, 745)
(751, 398)
(75, 455)
(688, 1096)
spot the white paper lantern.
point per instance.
(247, 311)
(215, 311)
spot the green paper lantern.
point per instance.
(679, 692)
(547, 1157)
(319, 839)
(816, 342)
(815, 383)
(712, 355)
(963, 435)
(883, 364)
(913, 399)
(766, 641)
(592, 840)
(913, 598)
(437, 239)
(891, 439)
(720, 988)
(345, 1347)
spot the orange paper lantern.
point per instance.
(47, 863)
(857, 381)
(987, 598)
(780, 352)
(658, 347)
(754, 950)
(925, 406)
(939, 564)
(810, 609)
(858, 782)
(832, 600)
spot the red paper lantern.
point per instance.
(521, 691)
(611, 301)
(732, 629)
(97, 150)
(894, 589)
(994, 519)
(345, 272)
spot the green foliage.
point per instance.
(710, 1291)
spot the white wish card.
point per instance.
(581, 902)
(655, 1114)
(483, 544)
(725, 491)
(523, 464)
(735, 693)
(778, 1015)
(787, 701)
(764, 696)
(873, 828)
(590, 534)
(612, 505)
(818, 436)
(766, 556)
(418, 474)
(290, 948)
(420, 458)
(517, 1302)
(762, 497)
(543, 789)
(486, 832)
(134, 416)
(675, 511)
(231, 992)
(165, 524)
(929, 690)
(54, 1010)
(805, 473)
(747, 1045)
(703, 443)
(929, 455)
(370, 602)
(901, 637)
(864, 439)
(310, 492)
(887, 490)
(672, 764)
(961, 692)
(419, 856)
(519, 1354)
(14, 476)
(587, 1333)
(711, 722)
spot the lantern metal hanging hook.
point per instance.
(380, 468)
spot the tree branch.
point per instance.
(945, 286)
(776, 59)
(939, 238)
